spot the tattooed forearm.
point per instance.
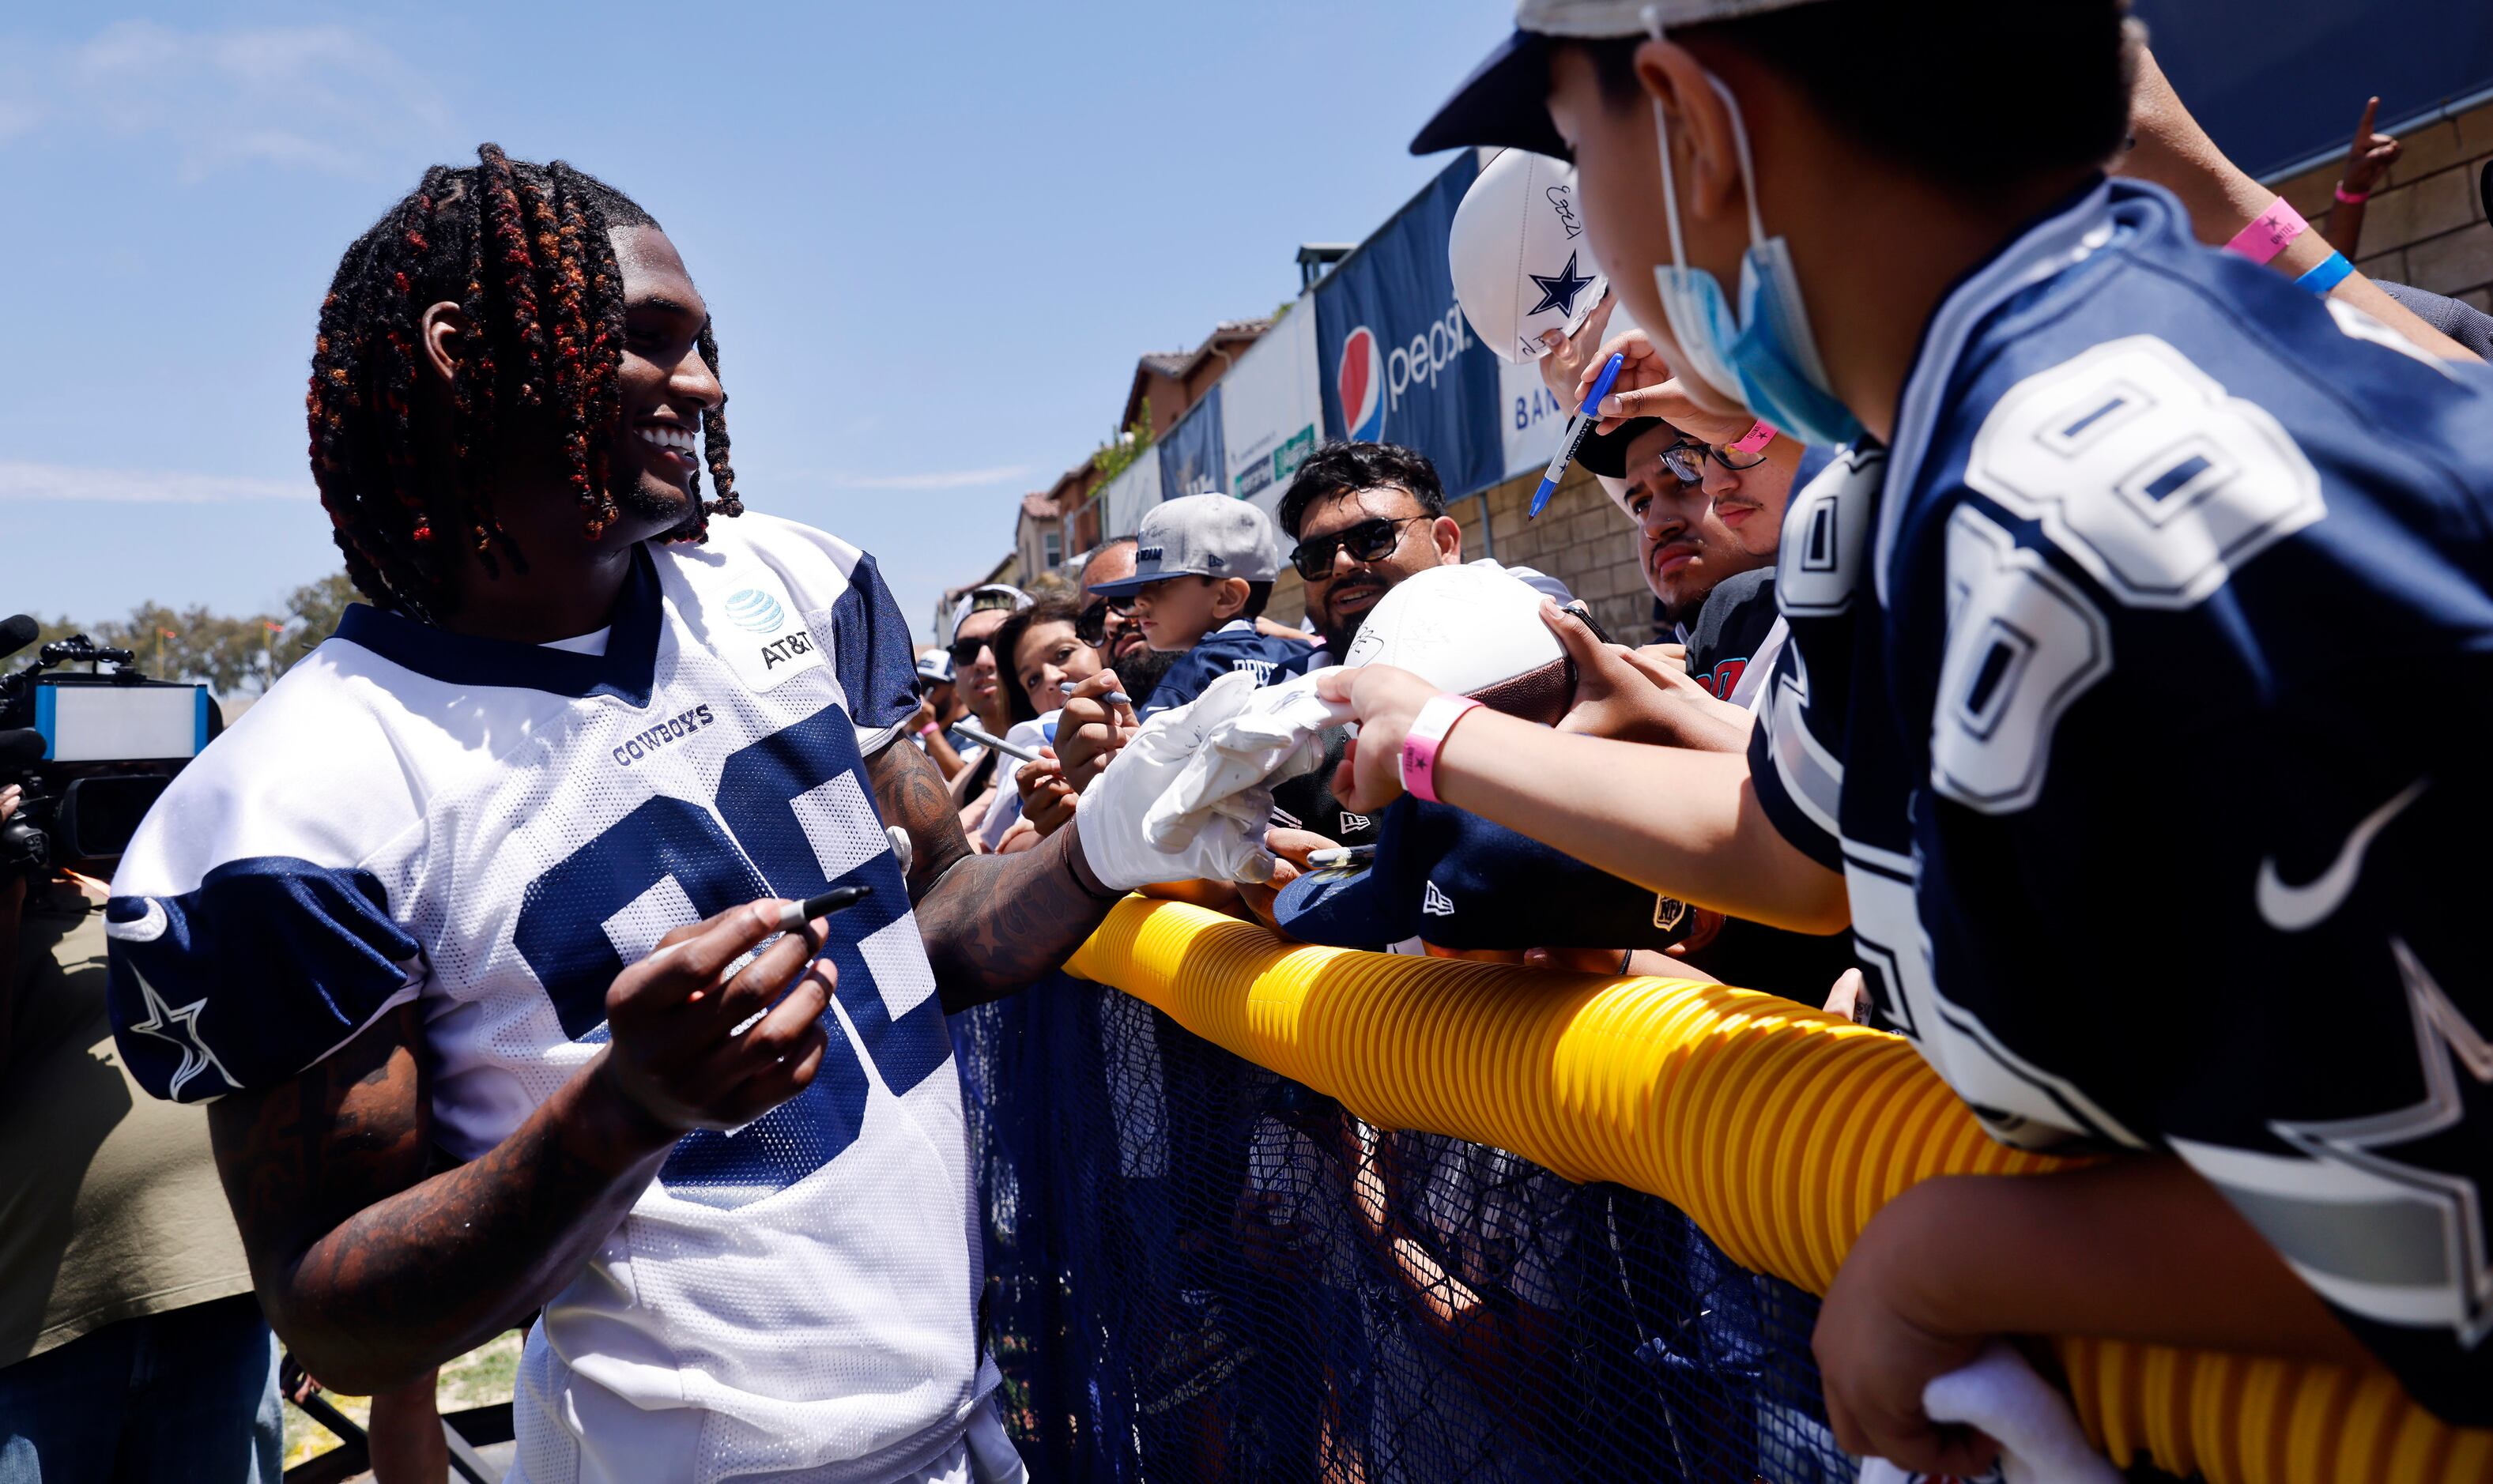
(911, 792)
(375, 1274)
(996, 923)
(992, 923)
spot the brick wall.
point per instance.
(2427, 225)
(1581, 539)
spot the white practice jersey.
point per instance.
(493, 831)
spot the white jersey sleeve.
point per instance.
(256, 924)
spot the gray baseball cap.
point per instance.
(1200, 535)
(1506, 100)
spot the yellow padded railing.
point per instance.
(1779, 1129)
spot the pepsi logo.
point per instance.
(1359, 379)
(1370, 378)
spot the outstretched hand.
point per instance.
(1876, 1350)
(1047, 800)
(2370, 155)
(1384, 702)
(1572, 364)
(1638, 696)
(681, 1050)
(1092, 729)
(1647, 387)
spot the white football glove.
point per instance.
(1276, 736)
(1222, 848)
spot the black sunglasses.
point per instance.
(1686, 460)
(1092, 626)
(965, 651)
(1366, 542)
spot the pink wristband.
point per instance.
(2269, 232)
(1420, 744)
(2351, 198)
(1759, 434)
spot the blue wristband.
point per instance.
(2332, 272)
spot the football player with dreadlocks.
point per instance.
(504, 870)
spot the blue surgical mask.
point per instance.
(1766, 357)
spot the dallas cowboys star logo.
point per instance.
(180, 1027)
(2457, 1286)
(1558, 291)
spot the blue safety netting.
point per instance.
(1200, 1270)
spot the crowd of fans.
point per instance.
(1799, 782)
(1365, 856)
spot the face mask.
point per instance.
(1766, 357)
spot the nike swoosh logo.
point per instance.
(2296, 909)
(145, 928)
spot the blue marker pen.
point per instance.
(1578, 428)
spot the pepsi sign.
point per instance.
(1400, 364)
(1358, 387)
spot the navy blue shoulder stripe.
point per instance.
(625, 669)
(266, 965)
(870, 650)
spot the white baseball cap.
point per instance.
(1506, 100)
(1200, 535)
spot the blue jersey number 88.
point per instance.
(763, 849)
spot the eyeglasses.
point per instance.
(1366, 542)
(1686, 460)
(1092, 627)
(965, 651)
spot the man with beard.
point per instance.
(1365, 515)
(1108, 623)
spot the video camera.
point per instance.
(92, 750)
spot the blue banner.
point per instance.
(2277, 82)
(1193, 457)
(1396, 363)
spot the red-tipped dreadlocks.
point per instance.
(524, 251)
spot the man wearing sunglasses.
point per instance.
(978, 684)
(1707, 518)
(1107, 624)
(1366, 516)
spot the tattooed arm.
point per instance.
(993, 924)
(375, 1274)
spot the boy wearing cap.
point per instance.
(1204, 566)
(2053, 631)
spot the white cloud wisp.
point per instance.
(329, 99)
(20, 481)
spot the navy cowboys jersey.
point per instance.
(1234, 645)
(493, 831)
(2139, 693)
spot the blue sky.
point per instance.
(934, 238)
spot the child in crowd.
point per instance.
(1204, 566)
(2055, 622)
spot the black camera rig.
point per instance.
(91, 749)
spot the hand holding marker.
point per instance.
(1577, 428)
(795, 914)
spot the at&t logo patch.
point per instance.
(757, 610)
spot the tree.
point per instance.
(1113, 458)
(231, 655)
